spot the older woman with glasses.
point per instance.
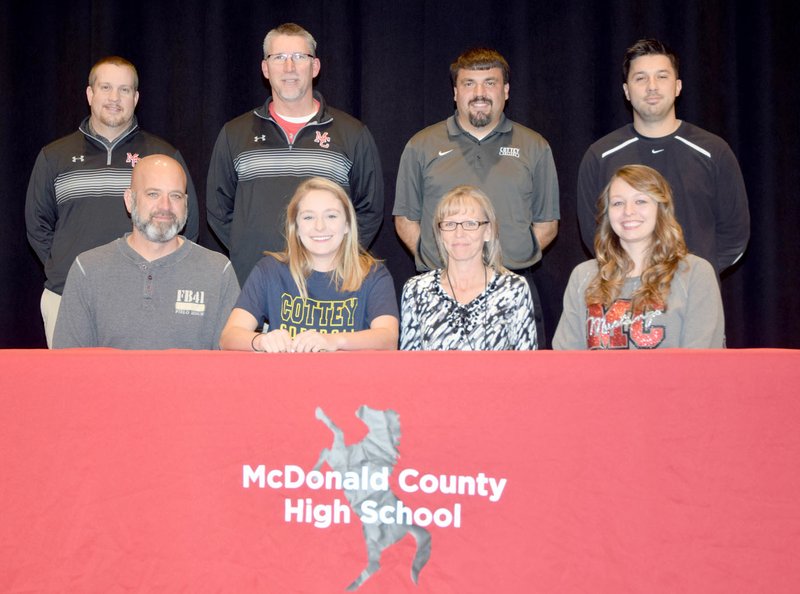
(473, 303)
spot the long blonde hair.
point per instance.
(455, 201)
(352, 263)
(665, 253)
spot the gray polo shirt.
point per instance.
(513, 165)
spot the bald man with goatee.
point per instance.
(152, 288)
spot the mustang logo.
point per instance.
(377, 450)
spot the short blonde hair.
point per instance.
(454, 202)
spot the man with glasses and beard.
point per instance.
(479, 146)
(152, 288)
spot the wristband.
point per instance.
(253, 343)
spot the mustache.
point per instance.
(482, 99)
(163, 213)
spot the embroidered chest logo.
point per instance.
(322, 139)
(261, 138)
(192, 303)
(509, 151)
(133, 159)
(77, 158)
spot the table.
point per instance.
(180, 471)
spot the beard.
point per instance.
(157, 231)
(116, 120)
(654, 113)
(480, 119)
(292, 92)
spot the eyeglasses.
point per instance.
(465, 225)
(297, 58)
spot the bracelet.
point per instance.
(253, 343)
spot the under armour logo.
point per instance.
(133, 159)
(262, 138)
(322, 139)
(78, 158)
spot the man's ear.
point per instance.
(128, 199)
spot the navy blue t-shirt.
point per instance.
(272, 297)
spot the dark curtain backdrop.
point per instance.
(387, 64)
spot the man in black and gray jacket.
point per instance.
(262, 156)
(74, 195)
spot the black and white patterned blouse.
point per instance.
(500, 318)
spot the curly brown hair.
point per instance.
(665, 253)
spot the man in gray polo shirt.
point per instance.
(479, 146)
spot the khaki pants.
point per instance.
(49, 304)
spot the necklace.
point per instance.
(463, 312)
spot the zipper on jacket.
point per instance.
(309, 125)
(306, 125)
(110, 149)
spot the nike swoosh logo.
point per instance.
(443, 153)
(657, 151)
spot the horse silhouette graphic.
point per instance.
(378, 450)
